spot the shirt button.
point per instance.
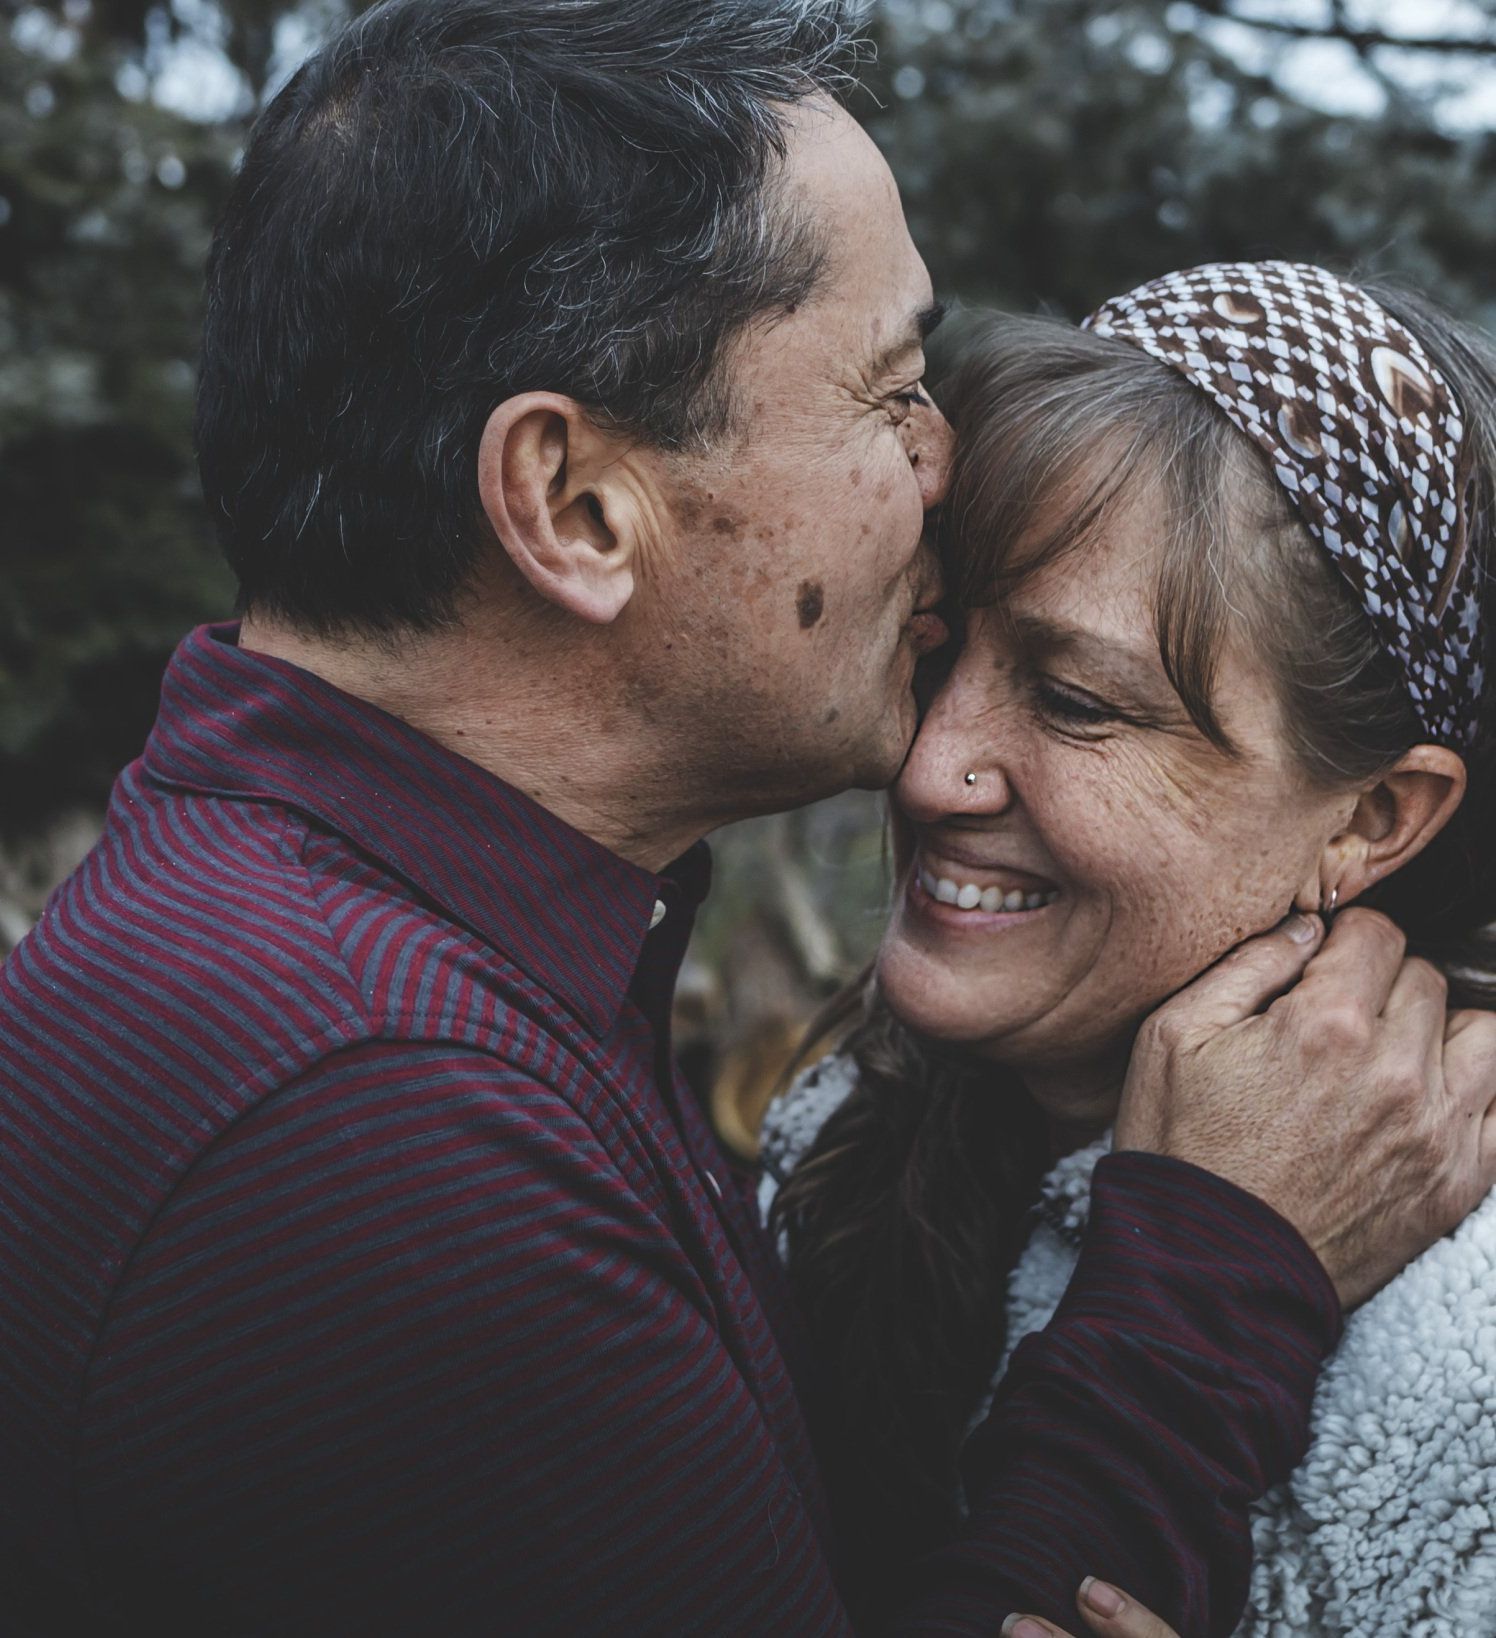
(658, 914)
(716, 1187)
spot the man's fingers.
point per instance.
(1111, 1612)
(1360, 961)
(1470, 1081)
(1470, 1061)
(1105, 1611)
(1244, 980)
(1415, 1010)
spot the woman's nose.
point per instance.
(955, 766)
(930, 454)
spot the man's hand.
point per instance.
(1105, 1610)
(1325, 1076)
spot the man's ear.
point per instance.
(1394, 820)
(542, 466)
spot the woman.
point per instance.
(1227, 552)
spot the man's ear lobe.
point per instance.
(534, 467)
(1395, 819)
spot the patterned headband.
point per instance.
(1360, 429)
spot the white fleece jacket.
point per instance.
(1388, 1527)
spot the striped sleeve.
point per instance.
(1129, 1437)
(407, 1352)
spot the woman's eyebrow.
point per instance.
(1138, 669)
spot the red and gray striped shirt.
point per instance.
(366, 1267)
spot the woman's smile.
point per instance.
(989, 895)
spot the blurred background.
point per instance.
(1051, 153)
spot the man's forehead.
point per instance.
(873, 306)
(839, 176)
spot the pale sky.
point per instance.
(192, 77)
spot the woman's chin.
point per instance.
(940, 1001)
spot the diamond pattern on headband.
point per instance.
(1361, 430)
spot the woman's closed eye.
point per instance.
(1073, 710)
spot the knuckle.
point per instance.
(1343, 1026)
(1372, 924)
(1400, 1074)
(1164, 1032)
(1406, 1084)
(1427, 975)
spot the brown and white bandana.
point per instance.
(1360, 429)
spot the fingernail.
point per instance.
(1302, 929)
(1103, 1599)
(1025, 1626)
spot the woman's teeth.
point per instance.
(968, 896)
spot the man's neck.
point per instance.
(549, 740)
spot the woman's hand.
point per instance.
(1106, 1611)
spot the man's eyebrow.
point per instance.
(920, 328)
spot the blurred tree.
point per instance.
(105, 205)
(1055, 152)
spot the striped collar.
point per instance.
(571, 915)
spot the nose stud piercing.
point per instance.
(971, 779)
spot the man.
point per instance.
(368, 1267)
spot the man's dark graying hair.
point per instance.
(455, 201)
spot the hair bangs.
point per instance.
(1058, 432)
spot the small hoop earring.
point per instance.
(1333, 900)
(971, 779)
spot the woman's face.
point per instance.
(1107, 851)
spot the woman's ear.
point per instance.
(542, 481)
(1394, 820)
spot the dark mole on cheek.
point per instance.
(810, 600)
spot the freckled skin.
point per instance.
(746, 693)
(1166, 851)
(810, 603)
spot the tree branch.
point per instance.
(1362, 39)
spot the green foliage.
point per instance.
(1051, 152)
(1055, 152)
(105, 557)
